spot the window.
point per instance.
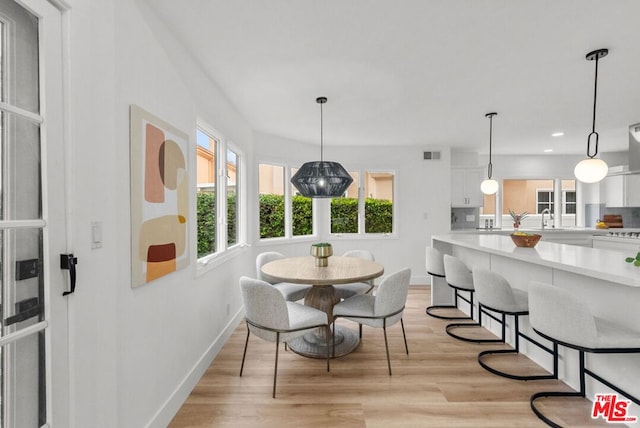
(271, 204)
(533, 196)
(367, 205)
(232, 197)
(206, 206)
(344, 210)
(218, 176)
(301, 212)
(283, 211)
(544, 200)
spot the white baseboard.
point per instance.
(420, 280)
(165, 414)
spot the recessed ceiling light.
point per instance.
(557, 134)
(548, 150)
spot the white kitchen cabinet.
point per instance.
(622, 191)
(465, 187)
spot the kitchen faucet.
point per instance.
(542, 222)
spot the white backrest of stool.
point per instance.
(433, 261)
(561, 315)
(457, 273)
(493, 290)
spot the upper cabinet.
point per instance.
(622, 191)
(465, 187)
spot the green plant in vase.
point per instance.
(517, 218)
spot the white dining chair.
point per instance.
(270, 317)
(380, 311)
(348, 290)
(291, 292)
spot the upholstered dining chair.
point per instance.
(565, 319)
(291, 292)
(270, 317)
(348, 290)
(380, 311)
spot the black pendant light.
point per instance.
(592, 170)
(489, 186)
(321, 179)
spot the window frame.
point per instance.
(566, 203)
(288, 206)
(362, 234)
(223, 251)
(550, 203)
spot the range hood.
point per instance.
(634, 154)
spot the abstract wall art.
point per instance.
(159, 198)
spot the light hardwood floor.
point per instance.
(439, 384)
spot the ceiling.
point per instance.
(421, 72)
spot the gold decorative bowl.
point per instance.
(527, 241)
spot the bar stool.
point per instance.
(494, 293)
(564, 318)
(460, 278)
(435, 268)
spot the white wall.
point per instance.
(136, 352)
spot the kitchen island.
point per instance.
(609, 285)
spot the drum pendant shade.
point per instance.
(321, 179)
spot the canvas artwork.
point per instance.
(159, 198)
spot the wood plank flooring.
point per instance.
(439, 384)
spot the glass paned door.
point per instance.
(25, 294)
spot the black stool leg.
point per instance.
(430, 310)
(538, 395)
(474, 324)
(516, 350)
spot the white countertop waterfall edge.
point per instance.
(597, 263)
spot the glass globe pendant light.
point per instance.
(321, 179)
(489, 186)
(592, 170)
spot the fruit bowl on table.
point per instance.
(526, 240)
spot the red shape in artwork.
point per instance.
(161, 253)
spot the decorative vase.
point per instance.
(322, 252)
(516, 225)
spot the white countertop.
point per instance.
(597, 263)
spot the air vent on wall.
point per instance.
(431, 155)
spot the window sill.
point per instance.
(364, 236)
(212, 261)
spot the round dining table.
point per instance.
(323, 296)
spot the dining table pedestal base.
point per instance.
(315, 344)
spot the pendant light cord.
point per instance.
(322, 135)
(490, 166)
(593, 122)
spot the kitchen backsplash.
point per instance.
(464, 218)
(630, 215)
